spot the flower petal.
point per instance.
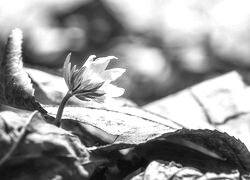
(90, 95)
(100, 99)
(72, 76)
(84, 84)
(83, 98)
(78, 78)
(89, 61)
(100, 64)
(93, 87)
(112, 74)
(66, 69)
(112, 90)
(88, 88)
(88, 71)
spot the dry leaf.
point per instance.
(220, 103)
(48, 90)
(31, 148)
(216, 151)
(17, 90)
(159, 170)
(114, 125)
(153, 137)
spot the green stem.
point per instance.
(61, 107)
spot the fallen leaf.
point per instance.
(17, 90)
(50, 89)
(121, 124)
(216, 151)
(158, 170)
(152, 136)
(220, 103)
(31, 147)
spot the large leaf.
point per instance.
(108, 125)
(153, 136)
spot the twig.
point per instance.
(19, 139)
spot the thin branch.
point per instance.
(19, 139)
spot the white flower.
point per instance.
(92, 80)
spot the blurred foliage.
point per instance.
(165, 45)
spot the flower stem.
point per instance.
(61, 107)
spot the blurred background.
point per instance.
(165, 45)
